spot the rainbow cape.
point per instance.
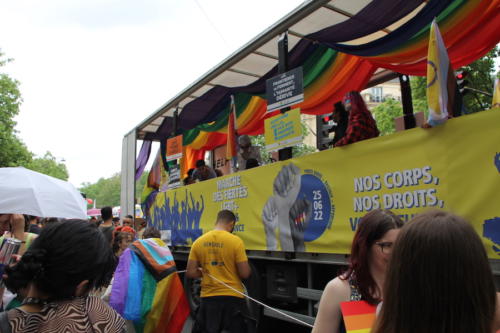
(147, 289)
(359, 316)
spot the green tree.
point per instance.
(419, 93)
(48, 165)
(385, 113)
(13, 152)
(106, 191)
(480, 77)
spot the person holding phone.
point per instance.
(14, 226)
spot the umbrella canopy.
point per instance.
(24, 191)
(94, 212)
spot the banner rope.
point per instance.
(256, 301)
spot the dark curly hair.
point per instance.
(61, 257)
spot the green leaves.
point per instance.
(106, 191)
(13, 151)
(49, 166)
(385, 113)
(480, 77)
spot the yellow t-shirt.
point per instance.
(217, 252)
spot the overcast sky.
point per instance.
(91, 70)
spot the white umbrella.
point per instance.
(24, 191)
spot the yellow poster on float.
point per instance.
(283, 130)
(314, 203)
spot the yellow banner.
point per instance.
(313, 203)
(283, 130)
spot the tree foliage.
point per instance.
(419, 94)
(384, 114)
(105, 192)
(480, 77)
(49, 165)
(13, 152)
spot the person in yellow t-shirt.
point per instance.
(219, 255)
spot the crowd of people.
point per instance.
(431, 274)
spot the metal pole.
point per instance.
(309, 285)
(175, 122)
(285, 153)
(406, 99)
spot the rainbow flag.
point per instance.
(441, 83)
(232, 144)
(495, 103)
(359, 316)
(147, 289)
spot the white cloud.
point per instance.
(90, 71)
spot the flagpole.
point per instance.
(232, 140)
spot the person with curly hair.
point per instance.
(63, 265)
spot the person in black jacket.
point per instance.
(341, 118)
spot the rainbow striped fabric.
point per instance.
(469, 30)
(147, 289)
(359, 316)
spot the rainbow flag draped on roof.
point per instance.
(335, 62)
(147, 289)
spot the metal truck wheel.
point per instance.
(192, 288)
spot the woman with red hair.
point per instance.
(364, 278)
(361, 124)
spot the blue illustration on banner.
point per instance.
(491, 231)
(180, 217)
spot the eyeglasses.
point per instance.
(385, 247)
